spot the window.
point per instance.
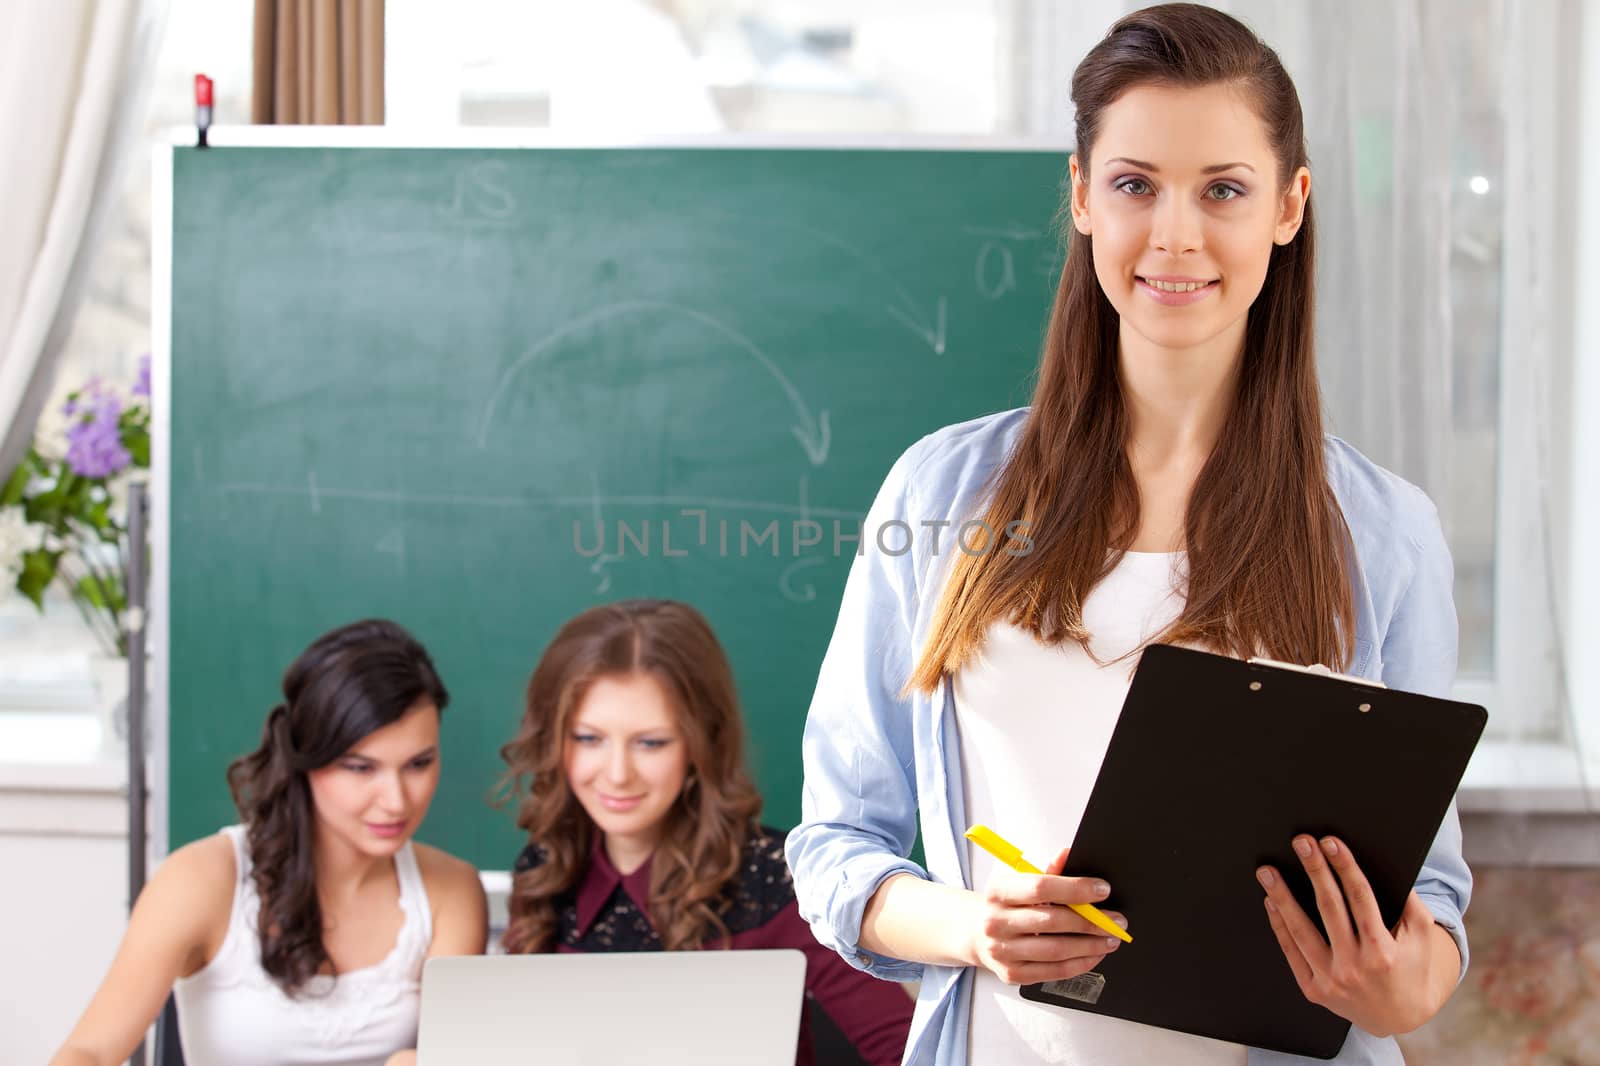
(702, 66)
(1439, 136)
(44, 663)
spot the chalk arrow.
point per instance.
(810, 430)
(912, 319)
(814, 437)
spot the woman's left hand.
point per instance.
(1384, 983)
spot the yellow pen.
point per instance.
(1011, 855)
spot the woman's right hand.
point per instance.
(1026, 932)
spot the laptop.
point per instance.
(666, 1008)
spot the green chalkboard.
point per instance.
(419, 383)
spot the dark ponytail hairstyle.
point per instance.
(348, 684)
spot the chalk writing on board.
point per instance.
(811, 430)
(996, 271)
(742, 539)
(996, 268)
(786, 586)
(598, 567)
(907, 311)
(393, 543)
(934, 335)
(527, 503)
(805, 593)
(480, 195)
(311, 491)
(929, 325)
(1051, 258)
(1014, 231)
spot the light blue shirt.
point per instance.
(878, 766)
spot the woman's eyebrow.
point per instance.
(1215, 168)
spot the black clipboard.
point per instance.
(1215, 764)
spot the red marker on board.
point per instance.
(202, 107)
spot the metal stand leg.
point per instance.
(138, 598)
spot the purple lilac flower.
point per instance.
(75, 399)
(141, 385)
(94, 442)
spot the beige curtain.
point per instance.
(318, 62)
(74, 77)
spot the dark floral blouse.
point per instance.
(609, 912)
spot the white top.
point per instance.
(231, 1013)
(1035, 723)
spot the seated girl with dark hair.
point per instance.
(297, 937)
(642, 821)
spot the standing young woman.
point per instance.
(297, 937)
(642, 822)
(1173, 483)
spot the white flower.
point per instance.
(118, 490)
(17, 535)
(50, 432)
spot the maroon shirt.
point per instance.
(610, 912)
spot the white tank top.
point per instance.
(1035, 723)
(230, 1013)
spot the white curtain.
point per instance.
(73, 81)
(1435, 132)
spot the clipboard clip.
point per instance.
(1319, 670)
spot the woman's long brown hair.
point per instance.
(1270, 560)
(710, 823)
(349, 683)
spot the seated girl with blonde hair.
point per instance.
(642, 821)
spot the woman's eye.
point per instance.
(652, 744)
(1134, 186)
(358, 767)
(584, 738)
(1230, 193)
(422, 764)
